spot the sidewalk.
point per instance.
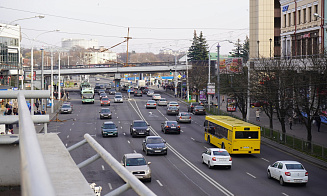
(298, 130)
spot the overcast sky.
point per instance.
(154, 25)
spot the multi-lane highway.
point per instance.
(181, 171)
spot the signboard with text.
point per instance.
(28, 75)
(231, 105)
(211, 89)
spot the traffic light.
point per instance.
(170, 72)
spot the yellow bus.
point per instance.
(236, 136)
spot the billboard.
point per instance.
(28, 75)
(231, 105)
(230, 65)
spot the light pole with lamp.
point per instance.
(270, 46)
(258, 42)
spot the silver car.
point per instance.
(156, 97)
(137, 165)
(162, 101)
(184, 117)
(66, 109)
(151, 104)
(118, 99)
(150, 93)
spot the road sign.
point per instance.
(211, 88)
(179, 76)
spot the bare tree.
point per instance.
(198, 77)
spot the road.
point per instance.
(181, 171)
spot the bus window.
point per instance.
(246, 135)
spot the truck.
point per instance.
(140, 83)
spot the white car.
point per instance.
(150, 93)
(162, 101)
(137, 165)
(288, 172)
(173, 103)
(156, 97)
(216, 157)
(118, 99)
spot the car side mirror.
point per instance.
(143, 141)
(149, 163)
(99, 112)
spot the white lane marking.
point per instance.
(128, 141)
(285, 194)
(67, 136)
(66, 144)
(118, 122)
(77, 115)
(117, 116)
(73, 124)
(70, 129)
(95, 128)
(159, 183)
(124, 133)
(110, 187)
(265, 159)
(250, 175)
(135, 151)
(192, 138)
(102, 167)
(93, 135)
(162, 114)
(182, 131)
(121, 127)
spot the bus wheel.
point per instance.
(223, 145)
(208, 140)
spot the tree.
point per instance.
(241, 50)
(199, 49)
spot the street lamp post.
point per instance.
(270, 46)
(258, 48)
(218, 78)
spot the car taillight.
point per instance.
(306, 173)
(214, 158)
(196, 110)
(190, 117)
(179, 126)
(230, 158)
(287, 173)
(147, 104)
(180, 117)
(167, 126)
(155, 104)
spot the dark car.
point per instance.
(112, 91)
(103, 95)
(154, 145)
(139, 128)
(97, 88)
(109, 129)
(172, 110)
(105, 113)
(145, 90)
(192, 105)
(101, 91)
(138, 93)
(199, 110)
(170, 127)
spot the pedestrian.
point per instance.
(223, 99)
(257, 115)
(37, 104)
(10, 129)
(9, 112)
(290, 121)
(318, 122)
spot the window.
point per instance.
(304, 15)
(299, 16)
(289, 19)
(294, 18)
(315, 11)
(310, 14)
(280, 166)
(246, 135)
(284, 20)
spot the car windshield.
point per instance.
(199, 107)
(172, 123)
(109, 126)
(140, 124)
(294, 166)
(135, 162)
(151, 101)
(185, 114)
(172, 108)
(150, 92)
(221, 153)
(103, 94)
(154, 141)
(156, 95)
(105, 99)
(195, 104)
(113, 90)
(173, 103)
(246, 135)
(65, 106)
(105, 111)
(88, 95)
(117, 96)
(162, 99)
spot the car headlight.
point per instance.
(101, 114)
(148, 171)
(165, 148)
(149, 148)
(134, 129)
(148, 129)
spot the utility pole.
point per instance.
(127, 38)
(218, 78)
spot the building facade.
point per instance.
(99, 56)
(264, 28)
(302, 24)
(83, 43)
(10, 38)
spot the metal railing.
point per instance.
(130, 179)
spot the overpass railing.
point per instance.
(130, 179)
(35, 179)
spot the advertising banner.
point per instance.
(28, 75)
(231, 105)
(230, 65)
(211, 88)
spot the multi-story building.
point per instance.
(264, 28)
(302, 25)
(99, 56)
(70, 43)
(10, 37)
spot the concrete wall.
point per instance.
(9, 165)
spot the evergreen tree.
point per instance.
(241, 50)
(199, 48)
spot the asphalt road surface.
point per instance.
(181, 171)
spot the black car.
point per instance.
(112, 91)
(154, 145)
(199, 110)
(97, 88)
(109, 129)
(105, 113)
(145, 90)
(139, 128)
(170, 127)
(192, 105)
(138, 93)
(172, 110)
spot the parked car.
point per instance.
(162, 101)
(118, 99)
(184, 117)
(173, 103)
(105, 101)
(151, 104)
(172, 110)
(112, 91)
(192, 105)
(105, 113)
(109, 129)
(288, 172)
(139, 128)
(137, 165)
(138, 93)
(156, 97)
(170, 127)
(66, 109)
(154, 145)
(199, 110)
(150, 93)
(216, 157)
